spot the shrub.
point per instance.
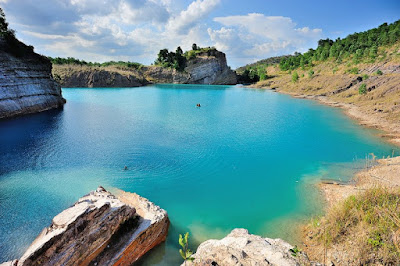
(362, 89)
(353, 70)
(295, 76)
(365, 77)
(310, 73)
(379, 72)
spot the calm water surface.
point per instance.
(246, 158)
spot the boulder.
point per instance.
(100, 229)
(241, 248)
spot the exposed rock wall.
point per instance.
(95, 77)
(206, 68)
(100, 229)
(242, 248)
(210, 69)
(26, 83)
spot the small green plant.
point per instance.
(362, 89)
(365, 77)
(353, 70)
(295, 251)
(295, 76)
(379, 72)
(335, 70)
(310, 73)
(185, 252)
(376, 240)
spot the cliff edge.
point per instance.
(204, 67)
(26, 83)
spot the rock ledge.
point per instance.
(99, 229)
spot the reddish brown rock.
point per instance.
(100, 229)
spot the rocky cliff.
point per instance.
(99, 229)
(242, 248)
(26, 83)
(205, 68)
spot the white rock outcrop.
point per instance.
(241, 248)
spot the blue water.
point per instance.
(246, 158)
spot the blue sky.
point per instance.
(135, 30)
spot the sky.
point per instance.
(135, 30)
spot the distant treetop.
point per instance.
(179, 59)
(72, 60)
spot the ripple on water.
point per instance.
(246, 158)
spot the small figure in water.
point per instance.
(198, 105)
(126, 168)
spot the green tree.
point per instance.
(310, 73)
(4, 30)
(195, 47)
(295, 76)
(362, 89)
(3, 23)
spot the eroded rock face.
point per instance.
(91, 77)
(100, 229)
(210, 69)
(207, 68)
(26, 83)
(242, 248)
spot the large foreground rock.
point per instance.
(26, 83)
(100, 229)
(242, 248)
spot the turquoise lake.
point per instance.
(246, 158)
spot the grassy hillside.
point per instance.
(366, 83)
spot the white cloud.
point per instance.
(196, 11)
(258, 36)
(136, 30)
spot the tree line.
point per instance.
(357, 46)
(72, 60)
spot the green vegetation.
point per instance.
(13, 46)
(353, 70)
(185, 252)
(379, 72)
(310, 73)
(369, 223)
(365, 76)
(357, 46)
(178, 59)
(362, 89)
(295, 76)
(74, 61)
(4, 30)
(253, 74)
(295, 251)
